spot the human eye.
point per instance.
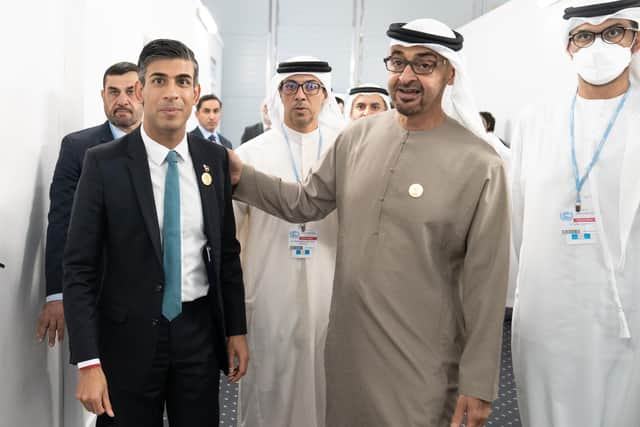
(114, 92)
(614, 33)
(375, 107)
(157, 80)
(583, 36)
(131, 91)
(311, 86)
(397, 62)
(290, 86)
(360, 106)
(425, 66)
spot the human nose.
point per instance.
(171, 91)
(300, 93)
(408, 73)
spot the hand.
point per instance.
(51, 319)
(477, 411)
(92, 391)
(235, 168)
(237, 347)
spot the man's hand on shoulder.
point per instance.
(476, 410)
(235, 167)
(92, 391)
(51, 319)
(237, 348)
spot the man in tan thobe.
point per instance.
(422, 265)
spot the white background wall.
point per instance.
(516, 58)
(53, 59)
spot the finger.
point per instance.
(242, 367)
(52, 332)
(60, 330)
(458, 414)
(232, 357)
(43, 324)
(97, 405)
(107, 404)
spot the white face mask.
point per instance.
(601, 62)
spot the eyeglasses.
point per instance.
(422, 66)
(310, 87)
(612, 35)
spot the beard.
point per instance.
(123, 121)
(412, 106)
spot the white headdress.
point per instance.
(330, 115)
(366, 89)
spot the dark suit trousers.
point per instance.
(185, 375)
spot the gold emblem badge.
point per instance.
(415, 190)
(206, 179)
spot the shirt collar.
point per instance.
(158, 152)
(116, 131)
(207, 134)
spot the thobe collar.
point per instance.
(296, 137)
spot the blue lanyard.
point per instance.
(293, 161)
(596, 155)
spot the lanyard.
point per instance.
(293, 161)
(596, 155)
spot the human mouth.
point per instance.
(408, 94)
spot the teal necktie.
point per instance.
(172, 297)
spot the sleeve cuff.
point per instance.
(89, 363)
(54, 297)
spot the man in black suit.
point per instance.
(124, 112)
(259, 128)
(208, 113)
(153, 211)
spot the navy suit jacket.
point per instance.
(116, 318)
(223, 140)
(251, 132)
(63, 187)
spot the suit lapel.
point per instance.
(106, 134)
(139, 169)
(202, 165)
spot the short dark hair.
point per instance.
(205, 98)
(339, 100)
(491, 121)
(119, 69)
(165, 49)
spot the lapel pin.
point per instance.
(416, 190)
(206, 176)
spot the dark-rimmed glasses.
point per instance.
(310, 87)
(422, 66)
(611, 35)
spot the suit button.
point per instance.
(158, 288)
(155, 322)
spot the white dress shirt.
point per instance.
(193, 239)
(206, 134)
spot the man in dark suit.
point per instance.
(208, 113)
(259, 128)
(124, 112)
(153, 211)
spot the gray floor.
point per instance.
(505, 408)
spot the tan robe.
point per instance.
(420, 282)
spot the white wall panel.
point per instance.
(54, 57)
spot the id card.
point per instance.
(302, 244)
(579, 228)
